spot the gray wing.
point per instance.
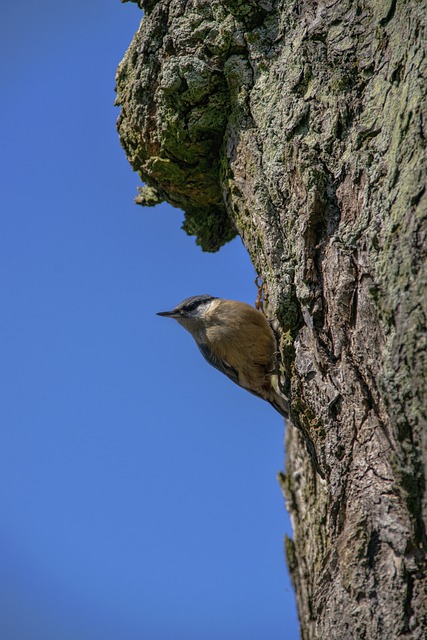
(279, 403)
(229, 371)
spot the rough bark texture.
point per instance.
(301, 125)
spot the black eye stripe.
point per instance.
(192, 305)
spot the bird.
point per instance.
(237, 340)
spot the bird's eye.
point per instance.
(192, 305)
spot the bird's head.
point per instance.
(191, 312)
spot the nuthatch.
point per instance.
(237, 340)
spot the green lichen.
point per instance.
(175, 111)
(210, 225)
(148, 196)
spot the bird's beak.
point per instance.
(169, 314)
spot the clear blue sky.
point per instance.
(138, 490)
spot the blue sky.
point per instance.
(138, 490)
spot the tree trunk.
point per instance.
(301, 126)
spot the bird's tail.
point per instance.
(278, 400)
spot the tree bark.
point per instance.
(301, 126)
